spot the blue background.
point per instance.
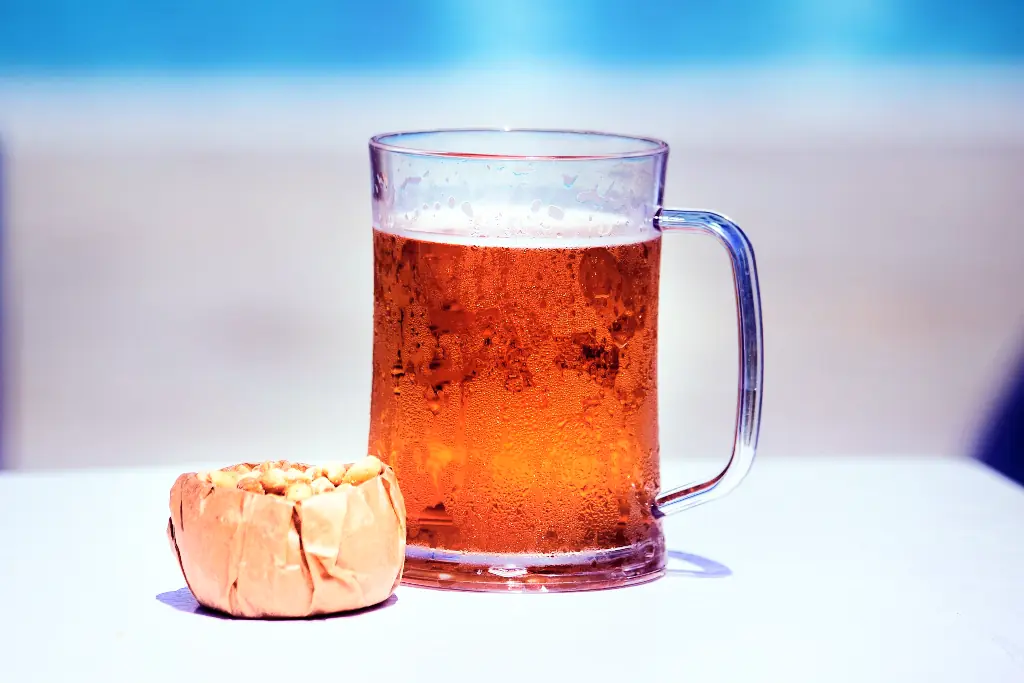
(201, 35)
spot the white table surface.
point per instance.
(815, 570)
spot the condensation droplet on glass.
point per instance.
(437, 206)
(556, 212)
(467, 209)
(569, 180)
(451, 202)
(425, 207)
(535, 207)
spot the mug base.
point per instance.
(515, 572)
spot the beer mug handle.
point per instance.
(751, 350)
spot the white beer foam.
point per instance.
(521, 227)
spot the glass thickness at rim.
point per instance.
(529, 144)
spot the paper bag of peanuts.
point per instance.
(283, 539)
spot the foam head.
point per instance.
(517, 188)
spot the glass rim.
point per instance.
(646, 146)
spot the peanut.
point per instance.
(294, 474)
(322, 485)
(299, 490)
(273, 481)
(250, 484)
(363, 470)
(241, 469)
(222, 478)
(335, 471)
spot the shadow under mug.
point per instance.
(516, 278)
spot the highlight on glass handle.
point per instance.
(751, 351)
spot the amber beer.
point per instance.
(514, 391)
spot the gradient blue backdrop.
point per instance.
(200, 35)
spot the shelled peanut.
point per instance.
(294, 481)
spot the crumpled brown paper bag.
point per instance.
(255, 555)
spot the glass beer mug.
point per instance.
(515, 343)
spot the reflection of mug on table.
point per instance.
(515, 354)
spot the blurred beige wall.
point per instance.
(189, 264)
